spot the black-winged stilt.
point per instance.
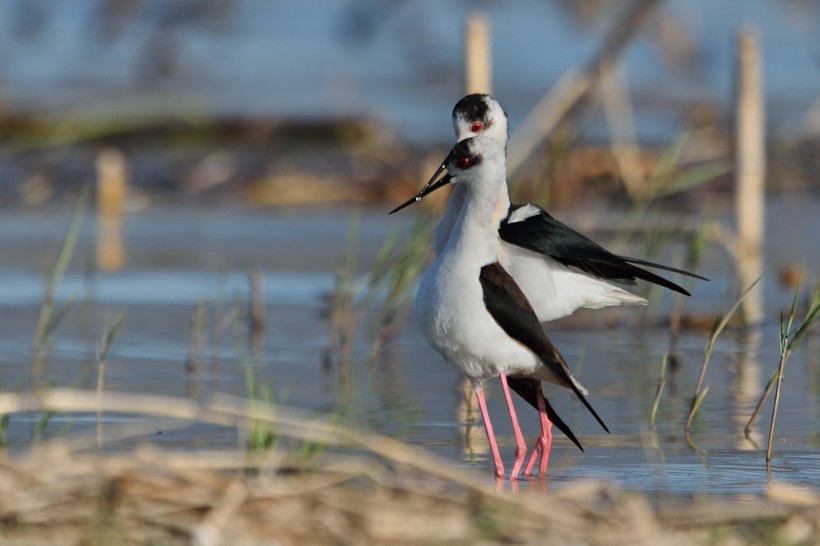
(471, 310)
(558, 269)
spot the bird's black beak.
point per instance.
(432, 185)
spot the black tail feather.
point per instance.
(527, 389)
(562, 426)
(613, 268)
(583, 400)
(648, 276)
(664, 267)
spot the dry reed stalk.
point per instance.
(102, 355)
(790, 338)
(256, 306)
(225, 315)
(176, 504)
(750, 174)
(780, 365)
(196, 340)
(151, 495)
(658, 392)
(620, 120)
(573, 86)
(231, 411)
(209, 530)
(477, 57)
(747, 430)
(112, 185)
(256, 319)
(344, 319)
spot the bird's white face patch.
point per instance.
(522, 213)
(480, 114)
(463, 127)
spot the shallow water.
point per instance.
(179, 258)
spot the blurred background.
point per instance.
(242, 156)
(226, 95)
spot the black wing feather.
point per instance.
(509, 307)
(544, 234)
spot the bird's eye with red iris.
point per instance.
(464, 162)
(476, 127)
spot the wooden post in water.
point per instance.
(750, 173)
(477, 79)
(477, 54)
(112, 184)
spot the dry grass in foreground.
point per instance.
(367, 489)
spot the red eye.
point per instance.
(476, 127)
(463, 162)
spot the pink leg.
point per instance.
(482, 407)
(536, 449)
(544, 441)
(520, 445)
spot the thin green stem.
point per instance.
(718, 326)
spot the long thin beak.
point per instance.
(432, 185)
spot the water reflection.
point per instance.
(398, 411)
(473, 442)
(746, 387)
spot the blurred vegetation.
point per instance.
(315, 478)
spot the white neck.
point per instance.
(445, 226)
(476, 230)
(459, 196)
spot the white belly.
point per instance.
(452, 316)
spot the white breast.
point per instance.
(451, 314)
